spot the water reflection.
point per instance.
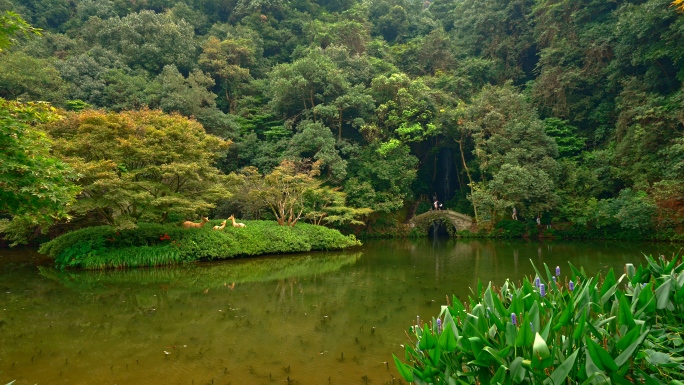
(323, 318)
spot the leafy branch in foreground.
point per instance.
(547, 329)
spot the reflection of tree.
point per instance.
(203, 277)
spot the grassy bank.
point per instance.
(156, 245)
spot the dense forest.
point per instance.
(572, 110)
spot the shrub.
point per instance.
(590, 330)
(154, 244)
(509, 228)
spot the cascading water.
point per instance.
(445, 175)
(445, 155)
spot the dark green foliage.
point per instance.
(154, 244)
(374, 89)
(508, 228)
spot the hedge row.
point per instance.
(152, 244)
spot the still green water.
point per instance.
(320, 318)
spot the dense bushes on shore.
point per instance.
(154, 244)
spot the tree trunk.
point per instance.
(470, 179)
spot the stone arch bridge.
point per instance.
(458, 220)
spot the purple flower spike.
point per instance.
(537, 282)
(542, 290)
(554, 279)
(571, 286)
(514, 319)
(557, 271)
(439, 325)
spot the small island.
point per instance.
(151, 244)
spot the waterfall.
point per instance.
(447, 162)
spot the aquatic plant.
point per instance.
(594, 330)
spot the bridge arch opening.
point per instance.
(441, 228)
(440, 222)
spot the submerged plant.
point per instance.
(596, 330)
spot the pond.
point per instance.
(319, 318)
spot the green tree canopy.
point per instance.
(36, 188)
(143, 166)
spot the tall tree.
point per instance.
(36, 188)
(143, 166)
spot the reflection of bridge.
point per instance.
(458, 220)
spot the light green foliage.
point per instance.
(597, 330)
(146, 40)
(315, 141)
(91, 73)
(229, 61)
(140, 166)
(631, 210)
(381, 180)
(306, 83)
(405, 110)
(36, 188)
(352, 34)
(28, 78)
(283, 190)
(11, 25)
(515, 155)
(149, 244)
(173, 92)
(565, 135)
(328, 205)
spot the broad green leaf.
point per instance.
(547, 328)
(630, 271)
(625, 316)
(628, 338)
(565, 316)
(627, 353)
(447, 340)
(579, 326)
(533, 317)
(404, 370)
(575, 273)
(449, 320)
(499, 376)
(518, 372)
(549, 276)
(561, 373)
(495, 355)
(539, 347)
(646, 298)
(511, 334)
(435, 354)
(591, 367)
(600, 357)
(608, 282)
(663, 293)
(476, 345)
(525, 335)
